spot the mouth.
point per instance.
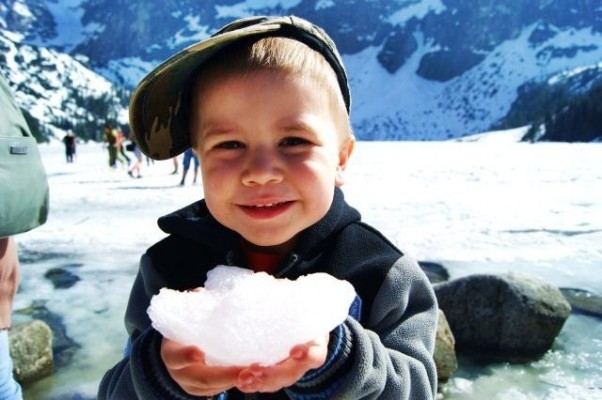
(267, 205)
(266, 210)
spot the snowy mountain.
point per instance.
(59, 92)
(419, 69)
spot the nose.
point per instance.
(262, 168)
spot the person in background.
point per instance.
(70, 142)
(9, 282)
(109, 137)
(134, 170)
(266, 111)
(175, 165)
(121, 155)
(188, 157)
(13, 122)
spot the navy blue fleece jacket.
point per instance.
(383, 350)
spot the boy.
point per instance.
(265, 104)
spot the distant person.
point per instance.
(110, 138)
(134, 170)
(26, 199)
(175, 165)
(121, 154)
(268, 117)
(188, 157)
(70, 142)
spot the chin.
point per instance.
(270, 244)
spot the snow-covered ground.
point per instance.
(490, 205)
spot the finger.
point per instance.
(250, 379)
(176, 356)
(302, 358)
(219, 376)
(299, 352)
(272, 378)
(201, 377)
(312, 355)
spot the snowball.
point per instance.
(241, 317)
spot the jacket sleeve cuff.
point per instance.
(151, 379)
(321, 383)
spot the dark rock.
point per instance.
(436, 273)
(444, 65)
(508, 316)
(61, 278)
(398, 47)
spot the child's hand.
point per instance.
(186, 365)
(270, 379)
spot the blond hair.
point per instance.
(281, 55)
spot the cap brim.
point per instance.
(158, 109)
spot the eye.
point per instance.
(293, 141)
(230, 145)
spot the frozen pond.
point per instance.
(488, 206)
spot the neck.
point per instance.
(264, 258)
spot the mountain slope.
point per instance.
(59, 92)
(419, 69)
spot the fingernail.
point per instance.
(298, 354)
(195, 356)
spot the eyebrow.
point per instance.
(215, 128)
(295, 124)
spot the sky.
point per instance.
(487, 205)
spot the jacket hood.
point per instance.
(196, 223)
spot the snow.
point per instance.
(130, 70)
(193, 32)
(227, 319)
(416, 9)
(68, 15)
(497, 137)
(486, 206)
(399, 105)
(324, 4)
(246, 8)
(469, 103)
(574, 72)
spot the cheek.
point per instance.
(215, 203)
(213, 182)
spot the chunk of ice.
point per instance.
(241, 317)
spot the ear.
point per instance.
(344, 154)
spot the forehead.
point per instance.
(267, 94)
(267, 99)
(214, 93)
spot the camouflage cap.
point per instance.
(158, 114)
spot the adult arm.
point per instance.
(9, 279)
